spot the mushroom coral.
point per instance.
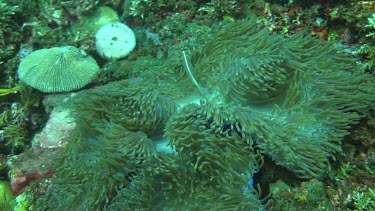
(58, 69)
(245, 95)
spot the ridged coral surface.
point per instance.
(59, 69)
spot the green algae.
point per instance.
(7, 202)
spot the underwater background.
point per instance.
(187, 105)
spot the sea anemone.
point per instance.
(236, 98)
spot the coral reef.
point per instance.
(222, 113)
(20, 119)
(23, 203)
(9, 39)
(56, 131)
(25, 172)
(212, 106)
(310, 195)
(92, 22)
